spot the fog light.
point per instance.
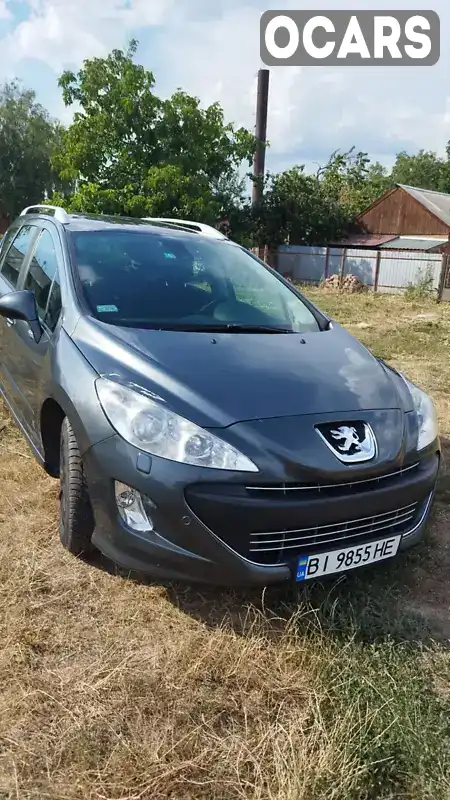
(131, 508)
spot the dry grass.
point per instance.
(113, 688)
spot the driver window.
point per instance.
(41, 271)
(15, 255)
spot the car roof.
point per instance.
(93, 222)
(190, 225)
(98, 222)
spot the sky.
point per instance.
(210, 48)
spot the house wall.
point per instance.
(399, 213)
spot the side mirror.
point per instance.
(22, 305)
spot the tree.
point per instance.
(28, 138)
(294, 209)
(129, 150)
(425, 169)
(351, 180)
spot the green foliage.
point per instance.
(304, 209)
(351, 180)
(422, 288)
(295, 209)
(166, 192)
(312, 209)
(424, 170)
(27, 139)
(131, 152)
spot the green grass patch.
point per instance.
(401, 741)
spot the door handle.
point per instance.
(10, 322)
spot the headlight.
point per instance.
(149, 426)
(426, 415)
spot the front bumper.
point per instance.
(227, 532)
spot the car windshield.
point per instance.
(143, 279)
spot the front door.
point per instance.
(16, 247)
(32, 360)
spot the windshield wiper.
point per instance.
(229, 327)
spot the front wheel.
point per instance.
(76, 519)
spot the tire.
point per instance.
(76, 518)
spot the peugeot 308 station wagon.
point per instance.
(205, 421)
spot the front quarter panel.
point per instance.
(74, 390)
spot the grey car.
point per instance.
(206, 422)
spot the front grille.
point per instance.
(278, 546)
(271, 524)
(307, 491)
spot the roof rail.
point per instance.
(207, 230)
(59, 212)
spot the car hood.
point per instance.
(217, 380)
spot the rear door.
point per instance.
(16, 246)
(32, 360)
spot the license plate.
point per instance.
(343, 560)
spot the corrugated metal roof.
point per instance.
(436, 202)
(405, 243)
(364, 240)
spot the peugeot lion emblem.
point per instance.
(351, 443)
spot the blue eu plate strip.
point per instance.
(301, 569)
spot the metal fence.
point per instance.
(383, 270)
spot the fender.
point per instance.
(79, 401)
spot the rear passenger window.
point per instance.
(14, 257)
(41, 271)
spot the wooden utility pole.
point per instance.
(259, 158)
